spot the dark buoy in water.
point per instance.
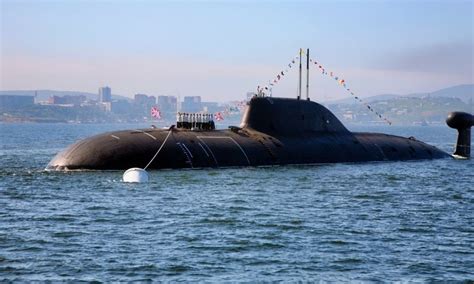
(462, 122)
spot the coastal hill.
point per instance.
(419, 108)
(463, 92)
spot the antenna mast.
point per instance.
(307, 74)
(299, 84)
(271, 92)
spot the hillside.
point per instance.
(463, 92)
(350, 100)
(403, 110)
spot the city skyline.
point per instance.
(222, 50)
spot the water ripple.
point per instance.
(409, 221)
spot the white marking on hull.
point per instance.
(233, 140)
(185, 152)
(190, 154)
(146, 133)
(202, 147)
(210, 151)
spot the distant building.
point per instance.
(67, 100)
(142, 104)
(140, 99)
(167, 103)
(192, 104)
(210, 107)
(105, 94)
(349, 115)
(152, 100)
(105, 106)
(11, 101)
(120, 107)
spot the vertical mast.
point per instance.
(307, 74)
(269, 82)
(299, 84)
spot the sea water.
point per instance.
(408, 221)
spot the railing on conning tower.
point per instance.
(195, 121)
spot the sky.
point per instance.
(220, 50)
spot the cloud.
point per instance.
(444, 58)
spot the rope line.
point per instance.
(156, 154)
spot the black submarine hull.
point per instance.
(274, 131)
(234, 148)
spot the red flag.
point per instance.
(218, 116)
(155, 112)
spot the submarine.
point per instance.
(273, 131)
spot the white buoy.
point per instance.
(138, 174)
(135, 175)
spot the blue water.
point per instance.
(408, 221)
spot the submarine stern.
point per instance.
(462, 122)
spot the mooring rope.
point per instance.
(157, 152)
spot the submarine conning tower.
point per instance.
(289, 117)
(462, 122)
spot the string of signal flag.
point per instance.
(317, 64)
